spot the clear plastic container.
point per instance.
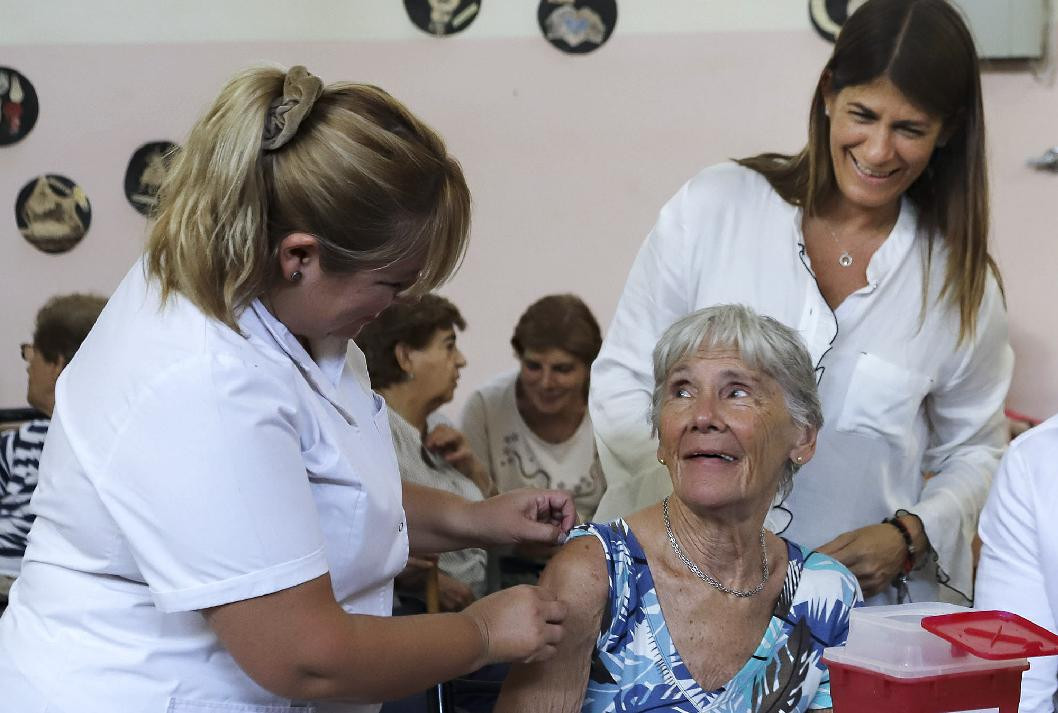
(890, 640)
(892, 664)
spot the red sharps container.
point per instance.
(933, 658)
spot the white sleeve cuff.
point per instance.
(245, 586)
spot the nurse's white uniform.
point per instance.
(189, 466)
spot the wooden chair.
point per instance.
(439, 699)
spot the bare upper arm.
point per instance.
(578, 576)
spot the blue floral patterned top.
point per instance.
(636, 667)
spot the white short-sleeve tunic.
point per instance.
(190, 466)
(1019, 550)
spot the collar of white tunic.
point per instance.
(324, 368)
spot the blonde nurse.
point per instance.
(219, 515)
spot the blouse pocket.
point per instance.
(183, 705)
(883, 399)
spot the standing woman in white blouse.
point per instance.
(872, 243)
(219, 515)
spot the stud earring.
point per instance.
(295, 276)
(661, 460)
(798, 459)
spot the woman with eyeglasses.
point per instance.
(61, 326)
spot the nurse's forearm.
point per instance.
(439, 521)
(299, 644)
(436, 520)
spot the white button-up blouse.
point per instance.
(901, 397)
(190, 466)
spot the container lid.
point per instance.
(993, 635)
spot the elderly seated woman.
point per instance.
(414, 363)
(692, 604)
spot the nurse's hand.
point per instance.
(523, 623)
(526, 515)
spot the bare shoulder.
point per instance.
(578, 574)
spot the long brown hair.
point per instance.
(363, 175)
(924, 48)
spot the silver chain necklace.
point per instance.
(705, 576)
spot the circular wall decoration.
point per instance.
(145, 173)
(577, 26)
(53, 213)
(442, 17)
(828, 16)
(18, 106)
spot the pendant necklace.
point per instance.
(845, 259)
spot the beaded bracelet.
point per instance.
(909, 561)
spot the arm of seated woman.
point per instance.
(577, 575)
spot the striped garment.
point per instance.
(19, 456)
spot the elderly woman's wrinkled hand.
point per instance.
(523, 623)
(525, 515)
(452, 445)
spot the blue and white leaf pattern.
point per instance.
(636, 667)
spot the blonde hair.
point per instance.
(362, 174)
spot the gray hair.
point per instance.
(763, 343)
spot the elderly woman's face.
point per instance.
(725, 433)
(436, 366)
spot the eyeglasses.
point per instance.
(26, 350)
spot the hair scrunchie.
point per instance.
(300, 92)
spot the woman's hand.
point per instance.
(453, 594)
(520, 516)
(523, 623)
(876, 553)
(452, 445)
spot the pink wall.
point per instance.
(569, 158)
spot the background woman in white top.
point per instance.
(532, 427)
(219, 510)
(872, 243)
